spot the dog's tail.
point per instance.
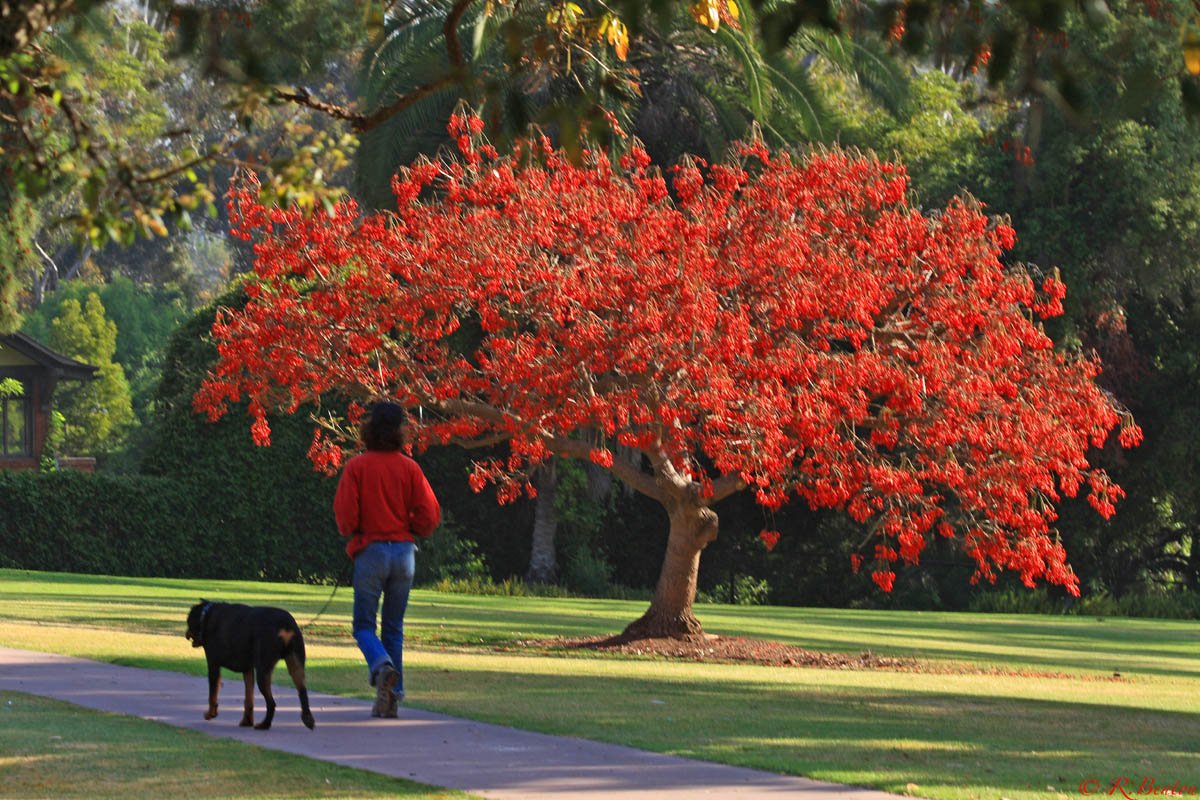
(297, 646)
(292, 639)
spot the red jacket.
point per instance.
(384, 496)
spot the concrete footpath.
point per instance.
(488, 760)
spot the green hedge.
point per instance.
(76, 522)
(148, 526)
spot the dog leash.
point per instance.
(336, 583)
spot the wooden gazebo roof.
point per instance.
(60, 366)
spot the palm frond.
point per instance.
(800, 102)
(730, 114)
(865, 60)
(412, 53)
(882, 76)
(739, 45)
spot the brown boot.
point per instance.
(385, 696)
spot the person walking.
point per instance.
(383, 504)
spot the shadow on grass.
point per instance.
(1166, 648)
(886, 737)
(877, 737)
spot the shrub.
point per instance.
(484, 585)
(152, 526)
(1154, 604)
(746, 590)
(1176, 603)
(587, 573)
(1016, 601)
(447, 557)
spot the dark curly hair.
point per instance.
(383, 427)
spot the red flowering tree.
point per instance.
(787, 325)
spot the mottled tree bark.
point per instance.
(543, 566)
(670, 614)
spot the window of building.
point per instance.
(16, 434)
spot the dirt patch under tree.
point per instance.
(762, 652)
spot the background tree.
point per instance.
(93, 132)
(1115, 206)
(144, 319)
(98, 412)
(267, 502)
(791, 326)
(687, 82)
(162, 135)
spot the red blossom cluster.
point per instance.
(980, 58)
(790, 322)
(1022, 153)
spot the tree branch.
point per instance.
(572, 448)
(628, 472)
(457, 407)
(364, 122)
(485, 441)
(450, 33)
(725, 486)
(177, 169)
(301, 96)
(361, 122)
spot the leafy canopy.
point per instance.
(788, 324)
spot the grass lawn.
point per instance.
(1013, 706)
(53, 749)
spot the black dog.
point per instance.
(249, 640)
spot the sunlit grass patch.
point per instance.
(54, 749)
(1001, 706)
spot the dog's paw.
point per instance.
(211, 713)
(308, 721)
(247, 722)
(263, 726)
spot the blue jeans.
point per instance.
(383, 568)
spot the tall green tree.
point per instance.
(99, 412)
(144, 316)
(220, 465)
(1115, 205)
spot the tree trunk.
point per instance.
(543, 565)
(600, 481)
(670, 612)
